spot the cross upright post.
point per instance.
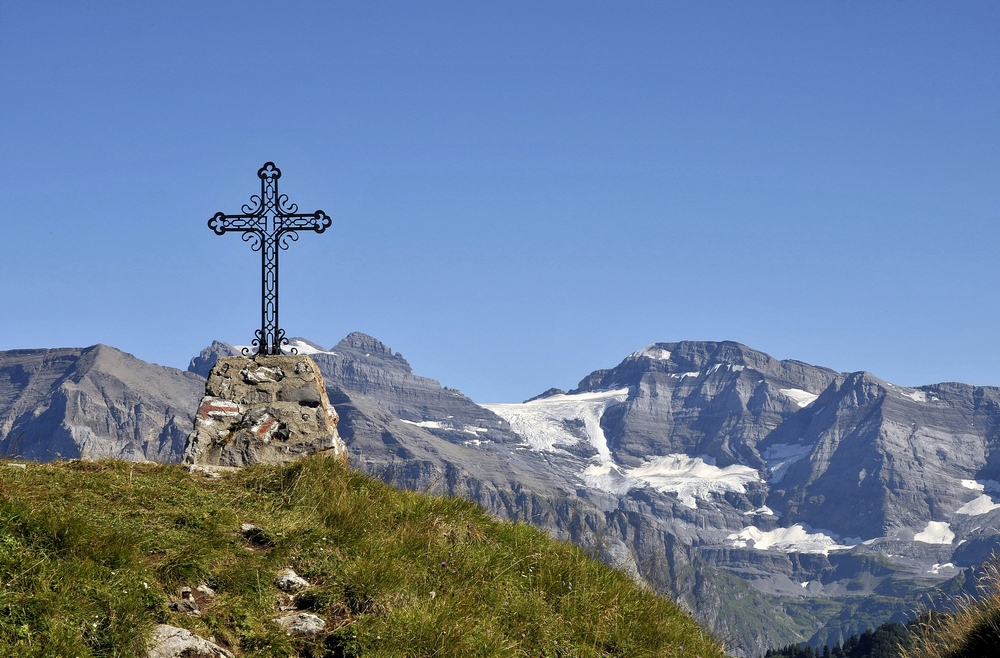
(269, 223)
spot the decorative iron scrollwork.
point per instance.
(269, 223)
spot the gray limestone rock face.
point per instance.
(263, 410)
(93, 403)
(202, 364)
(700, 398)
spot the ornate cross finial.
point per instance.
(269, 223)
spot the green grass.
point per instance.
(90, 552)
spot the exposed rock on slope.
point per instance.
(698, 398)
(93, 402)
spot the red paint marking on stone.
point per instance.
(209, 407)
(265, 427)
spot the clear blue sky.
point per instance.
(521, 192)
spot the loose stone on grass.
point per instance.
(173, 642)
(186, 604)
(290, 582)
(256, 535)
(302, 623)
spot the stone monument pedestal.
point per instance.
(263, 410)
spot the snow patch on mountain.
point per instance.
(299, 345)
(981, 485)
(304, 347)
(762, 510)
(693, 478)
(936, 569)
(426, 424)
(779, 456)
(798, 396)
(980, 505)
(652, 352)
(795, 539)
(545, 423)
(936, 532)
(609, 477)
(918, 396)
(469, 429)
(690, 478)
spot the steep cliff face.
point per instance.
(848, 453)
(715, 399)
(885, 461)
(93, 402)
(363, 364)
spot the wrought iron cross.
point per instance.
(269, 223)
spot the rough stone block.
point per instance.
(263, 409)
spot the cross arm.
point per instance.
(222, 223)
(318, 221)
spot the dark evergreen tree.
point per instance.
(882, 642)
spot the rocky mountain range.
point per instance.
(777, 500)
(93, 403)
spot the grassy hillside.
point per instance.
(90, 553)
